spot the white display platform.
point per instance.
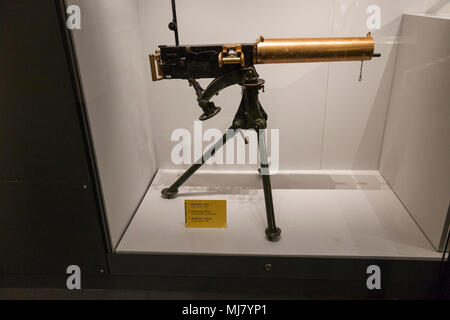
(321, 213)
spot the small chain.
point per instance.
(360, 71)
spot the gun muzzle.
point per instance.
(313, 50)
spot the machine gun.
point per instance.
(233, 64)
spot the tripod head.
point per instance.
(245, 77)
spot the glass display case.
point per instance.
(359, 152)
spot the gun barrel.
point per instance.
(313, 50)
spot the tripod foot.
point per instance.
(273, 235)
(169, 193)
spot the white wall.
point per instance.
(327, 119)
(114, 71)
(416, 151)
(356, 111)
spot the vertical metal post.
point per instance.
(174, 24)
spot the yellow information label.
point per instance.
(205, 213)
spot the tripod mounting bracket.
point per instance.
(246, 77)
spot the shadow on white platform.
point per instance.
(321, 213)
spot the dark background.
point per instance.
(49, 212)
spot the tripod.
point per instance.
(250, 115)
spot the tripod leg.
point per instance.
(173, 189)
(272, 232)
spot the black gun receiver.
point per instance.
(202, 61)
